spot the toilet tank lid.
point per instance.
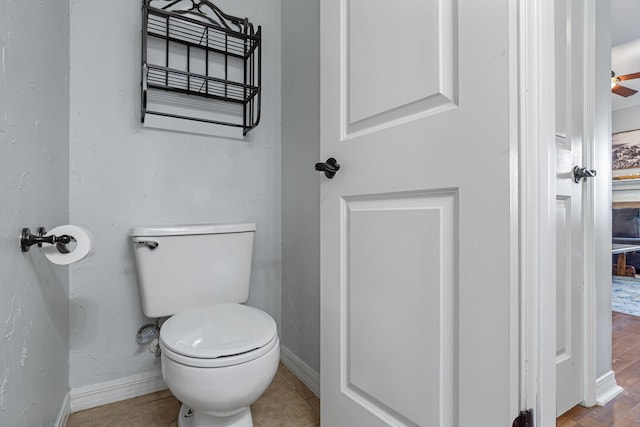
(191, 229)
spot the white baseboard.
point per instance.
(94, 395)
(65, 411)
(91, 396)
(607, 388)
(300, 369)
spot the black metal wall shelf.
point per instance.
(191, 47)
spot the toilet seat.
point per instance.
(217, 336)
(219, 362)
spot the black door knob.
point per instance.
(330, 167)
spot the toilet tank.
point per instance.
(189, 266)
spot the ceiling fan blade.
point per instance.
(628, 76)
(623, 91)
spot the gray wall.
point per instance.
(34, 141)
(300, 183)
(124, 175)
(626, 119)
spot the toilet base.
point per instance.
(189, 418)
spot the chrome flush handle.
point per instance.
(150, 244)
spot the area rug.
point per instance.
(625, 295)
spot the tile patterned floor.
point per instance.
(624, 410)
(286, 403)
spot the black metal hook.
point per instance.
(27, 240)
(330, 167)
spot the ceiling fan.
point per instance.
(622, 90)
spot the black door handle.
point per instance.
(330, 167)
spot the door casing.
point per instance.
(537, 203)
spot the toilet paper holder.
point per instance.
(27, 240)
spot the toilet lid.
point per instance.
(218, 331)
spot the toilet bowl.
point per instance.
(218, 360)
(217, 355)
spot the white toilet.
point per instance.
(218, 356)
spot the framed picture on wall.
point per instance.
(625, 154)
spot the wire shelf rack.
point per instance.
(201, 51)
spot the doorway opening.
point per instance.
(625, 262)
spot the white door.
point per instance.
(419, 225)
(570, 80)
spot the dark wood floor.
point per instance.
(624, 410)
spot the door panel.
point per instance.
(419, 284)
(376, 42)
(400, 245)
(563, 295)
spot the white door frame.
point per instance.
(599, 380)
(536, 171)
(588, 212)
(537, 210)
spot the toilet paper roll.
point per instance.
(80, 249)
